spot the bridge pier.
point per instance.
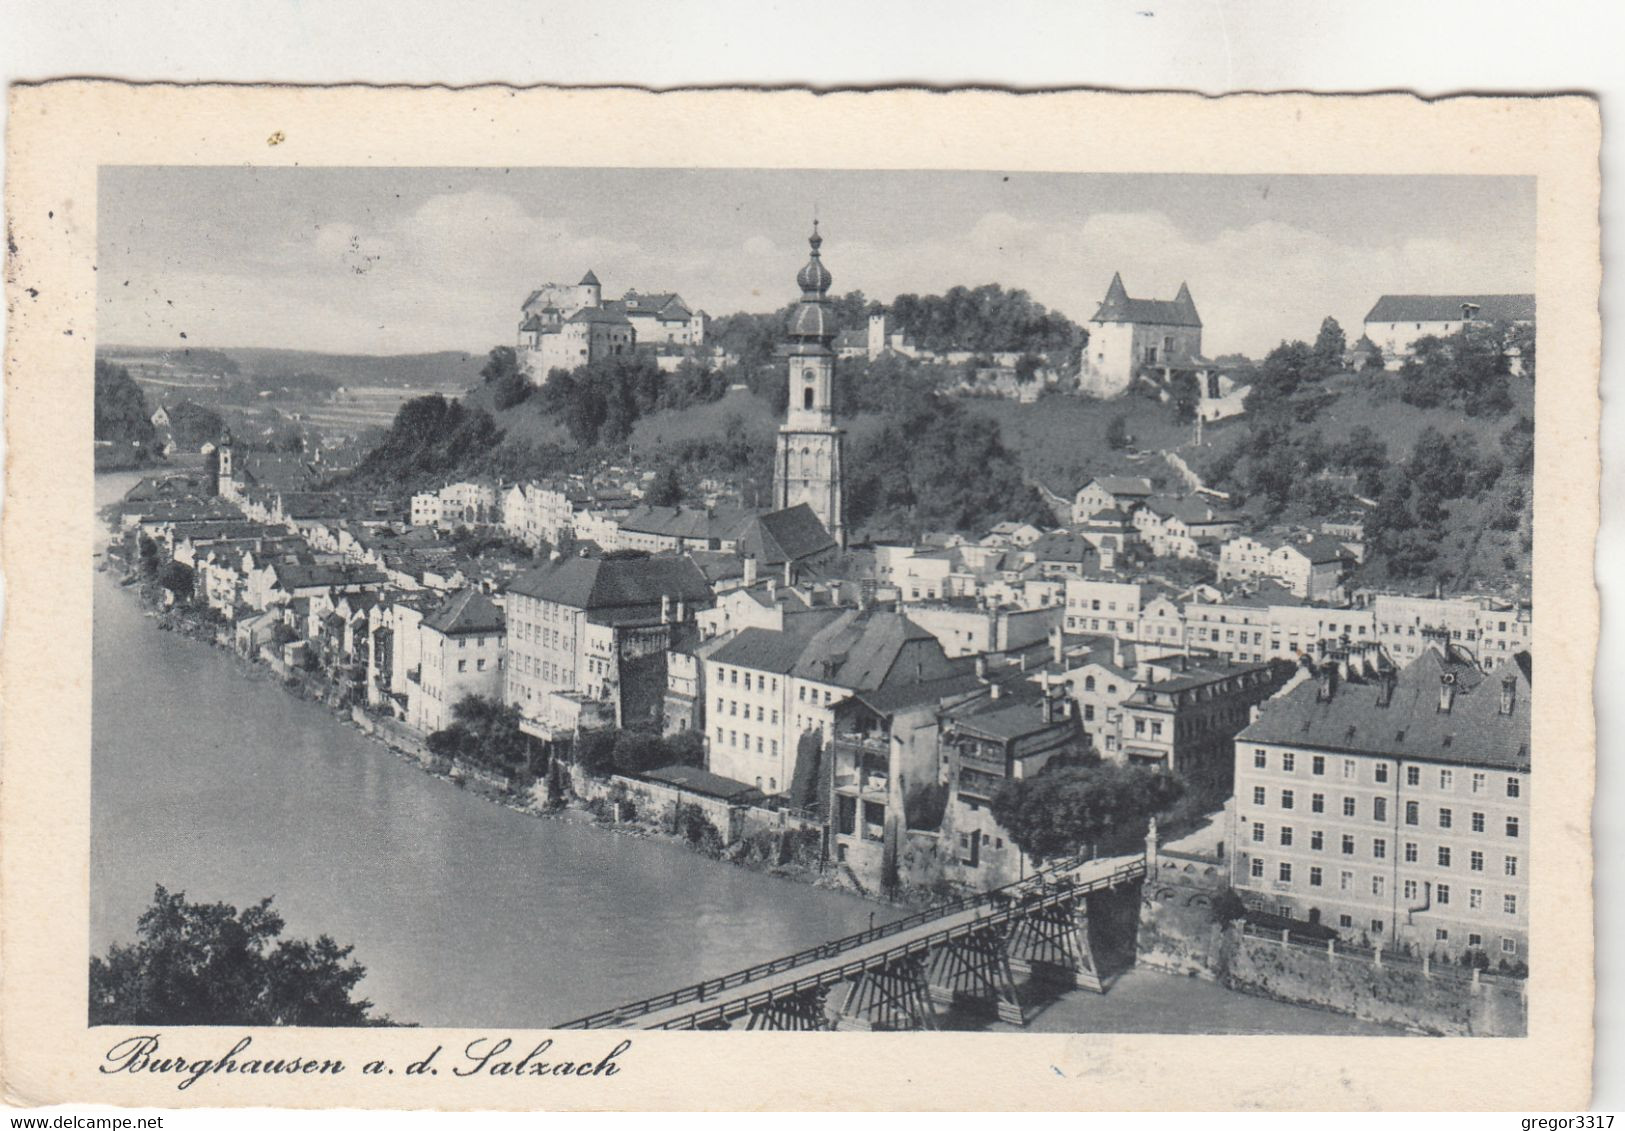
(889, 997)
(977, 967)
(1051, 944)
(800, 1012)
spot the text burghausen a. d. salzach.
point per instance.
(483, 1056)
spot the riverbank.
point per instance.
(584, 799)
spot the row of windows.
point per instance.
(1348, 882)
(1413, 774)
(732, 676)
(733, 710)
(742, 742)
(545, 669)
(1443, 854)
(1379, 809)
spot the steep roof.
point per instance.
(763, 649)
(588, 280)
(1447, 308)
(790, 535)
(597, 583)
(1118, 307)
(467, 612)
(1473, 732)
(861, 650)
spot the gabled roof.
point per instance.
(790, 535)
(687, 522)
(1447, 308)
(862, 650)
(599, 314)
(1118, 307)
(597, 583)
(763, 649)
(1473, 732)
(668, 307)
(467, 612)
(1062, 546)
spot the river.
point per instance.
(465, 913)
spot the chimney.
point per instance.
(1509, 693)
(772, 588)
(1328, 683)
(1385, 688)
(1056, 644)
(750, 571)
(1049, 705)
(665, 609)
(1447, 692)
(981, 668)
(994, 690)
(679, 610)
(789, 573)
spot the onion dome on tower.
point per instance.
(813, 320)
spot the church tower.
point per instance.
(808, 467)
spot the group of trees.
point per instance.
(485, 733)
(122, 415)
(986, 319)
(934, 466)
(601, 401)
(208, 964)
(1072, 806)
(604, 752)
(430, 437)
(1470, 370)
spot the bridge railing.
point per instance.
(1002, 897)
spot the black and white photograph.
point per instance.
(699, 599)
(528, 600)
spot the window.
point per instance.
(1444, 856)
(1441, 934)
(1475, 861)
(1475, 898)
(1317, 765)
(1512, 787)
(1376, 926)
(1475, 940)
(1286, 802)
(1379, 849)
(1317, 802)
(1478, 822)
(1447, 779)
(1349, 769)
(1256, 870)
(1382, 771)
(1258, 795)
(1413, 775)
(1288, 761)
(1348, 806)
(1509, 903)
(1444, 818)
(1348, 846)
(462, 665)
(1478, 783)
(1379, 808)
(1378, 885)
(1410, 852)
(1346, 922)
(1317, 840)
(1410, 889)
(1286, 836)
(1284, 873)
(1441, 894)
(1512, 826)
(1511, 866)
(1413, 813)
(1345, 881)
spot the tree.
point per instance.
(178, 578)
(1284, 369)
(1117, 437)
(509, 385)
(667, 490)
(1071, 809)
(208, 964)
(121, 411)
(1329, 346)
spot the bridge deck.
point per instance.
(736, 995)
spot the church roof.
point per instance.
(588, 280)
(792, 534)
(1119, 307)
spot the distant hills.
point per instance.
(418, 370)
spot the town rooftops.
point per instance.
(1447, 308)
(1118, 307)
(291, 575)
(1486, 723)
(1197, 672)
(465, 613)
(702, 523)
(615, 583)
(869, 648)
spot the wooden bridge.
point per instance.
(1057, 925)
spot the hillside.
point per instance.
(419, 370)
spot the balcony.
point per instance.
(866, 743)
(981, 786)
(866, 784)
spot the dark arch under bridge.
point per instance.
(1053, 926)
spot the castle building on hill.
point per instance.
(565, 327)
(809, 463)
(1128, 333)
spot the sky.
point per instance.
(352, 260)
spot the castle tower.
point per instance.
(809, 464)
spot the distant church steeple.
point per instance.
(809, 464)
